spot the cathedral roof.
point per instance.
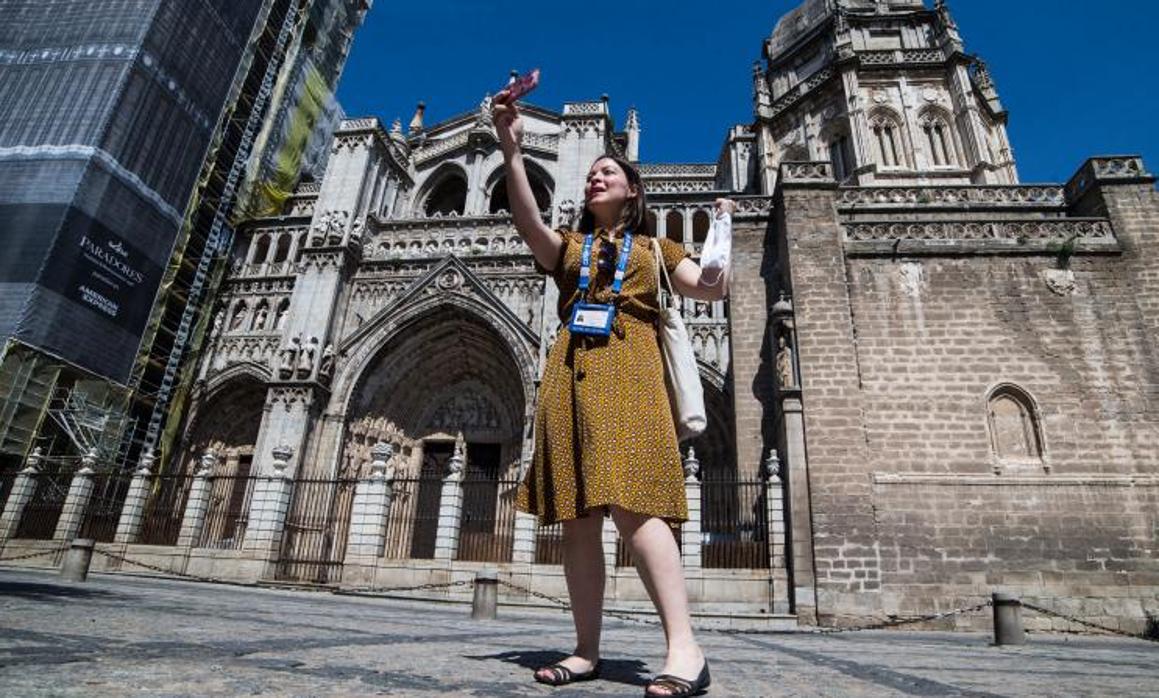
(801, 20)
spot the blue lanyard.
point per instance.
(621, 265)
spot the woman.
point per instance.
(605, 442)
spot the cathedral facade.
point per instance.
(930, 382)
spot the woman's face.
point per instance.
(607, 189)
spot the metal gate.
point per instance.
(314, 540)
(43, 511)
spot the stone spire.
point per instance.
(416, 122)
(632, 151)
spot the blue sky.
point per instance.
(1077, 77)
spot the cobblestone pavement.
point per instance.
(120, 635)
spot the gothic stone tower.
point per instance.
(958, 371)
(885, 91)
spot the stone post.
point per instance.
(371, 508)
(691, 535)
(799, 514)
(775, 501)
(270, 504)
(132, 513)
(523, 538)
(197, 504)
(23, 488)
(450, 510)
(80, 490)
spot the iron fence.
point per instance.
(549, 544)
(164, 509)
(487, 527)
(227, 512)
(42, 512)
(7, 481)
(317, 524)
(104, 506)
(734, 524)
(414, 517)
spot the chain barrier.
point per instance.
(155, 568)
(1096, 626)
(883, 625)
(40, 553)
(416, 587)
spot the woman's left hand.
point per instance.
(723, 206)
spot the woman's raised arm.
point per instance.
(545, 244)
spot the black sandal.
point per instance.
(561, 675)
(679, 687)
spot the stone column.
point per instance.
(133, 511)
(610, 535)
(270, 504)
(197, 503)
(801, 526)
(523, 543)
(80, 490)
(371, 508)
(775, 501)
(450, 510)
(23, 488)
(691, 534)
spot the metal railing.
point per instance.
(317, 526)
(414, 518)
(43, 510)
(734, 523)
(164, 509)
(487, 526)
(227, 513)
(104, 506)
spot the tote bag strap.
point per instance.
(664, 288)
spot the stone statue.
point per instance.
(306, 358)
(785, 377)
(326, 364)
(356, 233)
(218, 321)
(484, 117)
(289, 355)
(280, 320)
(238, 317)
(701, 309)
(260, 318)
(335, 222)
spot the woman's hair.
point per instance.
(634, 214)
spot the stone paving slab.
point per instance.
(119, 635)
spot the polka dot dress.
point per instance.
(603, 428)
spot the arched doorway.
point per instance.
(226, 426)
(447, 383)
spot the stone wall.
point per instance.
(913, 509)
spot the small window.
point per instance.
(450, 196)
(887, 139)
(1015, 434)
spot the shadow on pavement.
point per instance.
(50, 592)
(626, 671)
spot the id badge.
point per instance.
(592, 318)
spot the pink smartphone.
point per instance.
(522, 85)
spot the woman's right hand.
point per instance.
(508, 123)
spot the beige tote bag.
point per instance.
(685, 394)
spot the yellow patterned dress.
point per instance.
(603, 428)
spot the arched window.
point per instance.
(448, 196)
(841, 155)
(1015, 433)
(540, 189)
(939, 139)
(301, 247)
(674, 226)
(261, 249)
(887, 139)
(282, 250)
(650, 217)
(700, 225)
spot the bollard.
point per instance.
(486, 601)
(1008, 620)
(75, 567)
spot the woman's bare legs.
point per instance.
(583, 566)
(657, 561)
